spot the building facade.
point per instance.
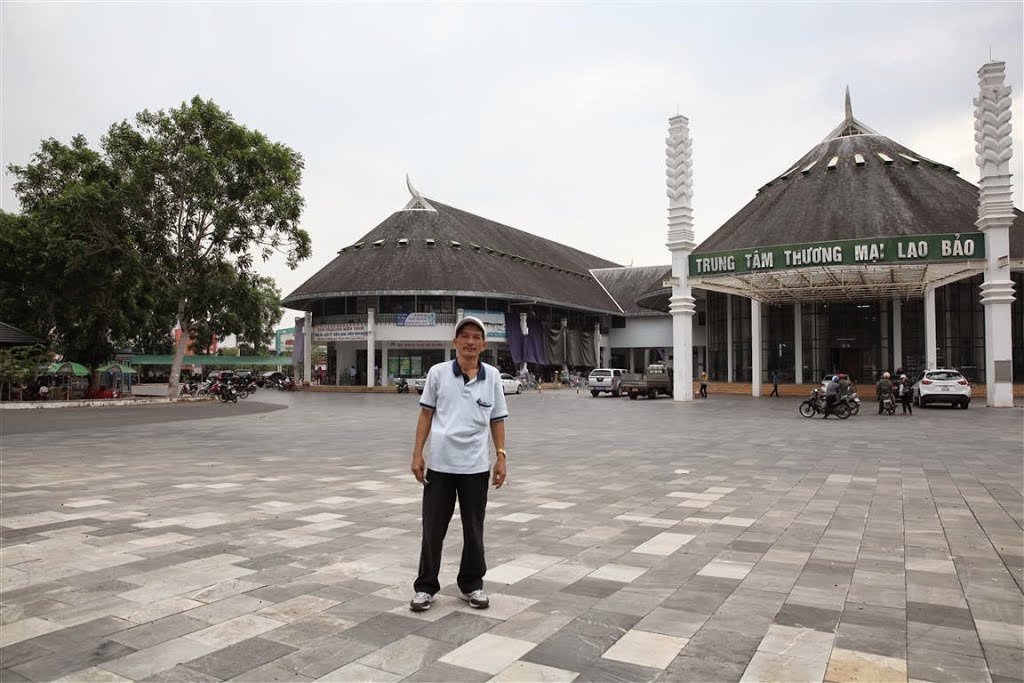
(862, 256)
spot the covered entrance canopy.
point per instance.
(843, 270)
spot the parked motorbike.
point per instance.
(815, 405)
(888, 404)
(189, 388)
(402, 386)
(227, 393)
(852, 401)
(286, 384)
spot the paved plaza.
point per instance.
(721, 540)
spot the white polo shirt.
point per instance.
(464, 409)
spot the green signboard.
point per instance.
(860, 252)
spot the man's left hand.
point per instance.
(498, 478)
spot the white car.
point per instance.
(511, 385)
(942, 385)
(418, 383)
(605, 380)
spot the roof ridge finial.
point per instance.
(849, 106)
(417, 201)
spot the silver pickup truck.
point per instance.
(657, 380)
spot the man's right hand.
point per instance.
(419, 467)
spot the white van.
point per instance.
(605, 380)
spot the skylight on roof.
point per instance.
(430, 242)
(404, 242)
(454, 245)
(885, 158)
(378, 243)
(858, 159)
(832, 163)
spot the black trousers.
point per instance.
(830, 405)
(775, 390)
(438, 506)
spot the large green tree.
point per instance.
(75, 269)
(208, 195)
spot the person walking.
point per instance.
(775, 384)
(703, 384)
(352, 372)
(906, 393)
(883, 389)
(463, 407)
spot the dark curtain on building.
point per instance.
(570, 346)
(532, 347)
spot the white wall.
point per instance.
(642, 333)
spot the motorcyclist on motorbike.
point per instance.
(882, 390)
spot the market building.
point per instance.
(862, 256)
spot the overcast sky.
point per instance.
(548, 117)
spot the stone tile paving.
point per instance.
(725, 540)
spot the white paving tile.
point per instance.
(556, 505)
(618, 572)
(664, 543)
(509, 573)
(518, 517)
(528, 672)
(725, 569)
(644, 648)
(488, 653)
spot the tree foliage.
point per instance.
(76, 273)
(164, 224)
(210, 196)
(20, 365)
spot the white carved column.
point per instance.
(730, 357)
(679, 188)
(371, 344)
(384, 364)
(339, 367)
(597, 345)
(307, 348)
(992, 128)
(525, 329)
(931, 358)
(897, 333)
(755, 348)
(798, 344)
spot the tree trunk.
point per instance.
(179, 353)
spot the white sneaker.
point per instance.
(421, 602)
(477, 599)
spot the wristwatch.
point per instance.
(500, 451)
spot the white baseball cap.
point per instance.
(470, 320)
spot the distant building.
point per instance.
(862, 256)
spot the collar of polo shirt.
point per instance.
(481, 375)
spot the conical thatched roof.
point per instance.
(444, 250)
(856, 185)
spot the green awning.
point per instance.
(117, 367)
(168, 360)
(67, 368)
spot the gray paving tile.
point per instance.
(859, 531)
(607, 670)
(943, 667)
(457, 628)
(816, 618)
(723, 646)
(239, 658)
(439, 671)
(71, 660)
(689, 669)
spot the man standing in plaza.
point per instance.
(463, 409)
